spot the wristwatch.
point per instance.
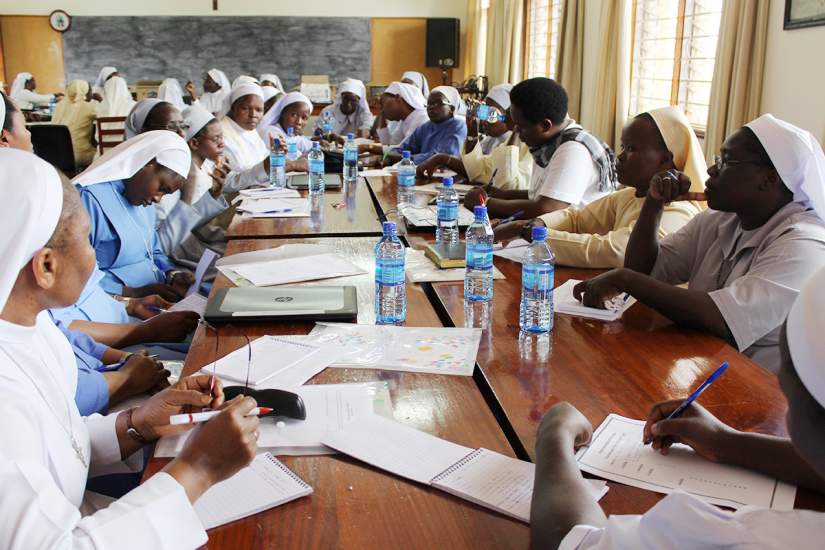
(131, 430)
(170, 275)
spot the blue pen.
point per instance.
(514, 217)
(692, 397)
(155, 309)
(283, 211)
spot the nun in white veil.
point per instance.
(171, 92)
(292, 110)
(418, 80)
(403, 119)
(350, 112)
(25, 98)
(104, 75)
(216, 90)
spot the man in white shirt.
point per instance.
(564, 514)
(571, 166)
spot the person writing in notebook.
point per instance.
(572, 167)
(49, 451)
(597, 234)
(745, 258)
(565, 516)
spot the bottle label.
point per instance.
(389, 272)
(447, 211)
(537, 277)
(350, 155)
(292, 148)
(277, 160)
(316, 166)
(406, 180)
(480, 256)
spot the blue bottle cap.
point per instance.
(316, 146)
(290, 131)
(448, 182)
(539, 233)
(405, 154)
(389, 228)
(350, 136)
(480, 211)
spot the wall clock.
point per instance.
(60, 21)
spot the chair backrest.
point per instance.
(110, 132)
(53, 143)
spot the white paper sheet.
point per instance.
(375, 173)
(420, 269)
(412, 349)
(226, 264)
(206, 260)
(275, 207)
(514, 250)
(268, 192)
(565, 302)
(193, 302)
(425, 216)
(271, 355)
(294, 270)
(617, 453)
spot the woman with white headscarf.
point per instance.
(403, 110)
(153, 114)
(270, 80)
(102, 77)
(243, 145)
(117, 99)
(350, 112)
(49, 450)
(290, 112)
(78, 115)
(418, 80)
(216, 88)
(171, 92)
(22, 91)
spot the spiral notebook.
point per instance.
(264, 484)
(484, 477)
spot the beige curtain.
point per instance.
(736, 91)
(505, 31)
(605, 110)
(569, 61)
(475, 49)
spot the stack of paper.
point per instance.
(294, 270)
(426, 216)
(275, 207)
(617, 453)
(264, 484)
(263, 359)
(565, 302)
(270, 193)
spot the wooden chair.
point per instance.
(109, 137)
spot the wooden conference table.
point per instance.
(622, 367)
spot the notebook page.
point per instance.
(617, 453)
(396, 448)
(294, 270)
(262, 485)
(270, 355)
(193, 302)
(498, 482)
(565, 302)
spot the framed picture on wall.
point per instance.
(804, 13)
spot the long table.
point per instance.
(355, 505)
(622, 367)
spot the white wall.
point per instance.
(315, 8)
(794, 84)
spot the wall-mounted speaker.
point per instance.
(442, 42)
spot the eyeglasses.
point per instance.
(720, 162)
(217, 140)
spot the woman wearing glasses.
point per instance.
(747, 256)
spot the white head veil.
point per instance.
(273, 115)
(126, 159)
(409, 93)
(31, 205)
(450, 94)
(19, 84)
(137, 116)
(196, 117)
(103, 75)
(117, 99)
(806, 323)
(171, 92)
(500, 93)
(269, 92)
(353, 86)
(274, 79)
(420, 81)
(245, 79)
(797, 157)
(2, 110)
(241, 87)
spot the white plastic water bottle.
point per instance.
(326, 122)
(478, 277)
(446, 228)
(350, 160)
(537, 271)
(406, 180)
(277, 166)
(291, 145)
(390, 287)
(316, 169)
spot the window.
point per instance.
(542, 37)
(674, 50)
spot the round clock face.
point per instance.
(60, 20)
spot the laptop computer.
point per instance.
(282, 303)
(301, 181)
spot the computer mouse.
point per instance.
(282, 402)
